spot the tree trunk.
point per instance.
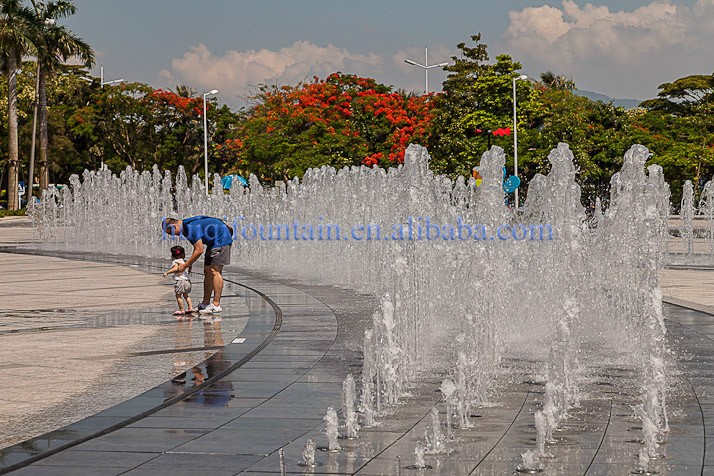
(42, 95)
(13, 152)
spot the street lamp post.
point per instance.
(205, 135)
(101, 78)
(13, 179)
(426, 67)
(102, 83)
(31, 165)
(515, 134)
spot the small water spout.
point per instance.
(649, 429)
(281, 458)
(331, 429)
(530, 464)
(419, 462)
(643, 464)
(308, 454)
(419, 456)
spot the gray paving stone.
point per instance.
(80, 459)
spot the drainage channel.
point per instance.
(602, 440)
(694, 390)
(505, 432)
(268, 339)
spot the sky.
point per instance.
(624, 49)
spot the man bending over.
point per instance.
(214, 237)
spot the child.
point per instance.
(182, 285)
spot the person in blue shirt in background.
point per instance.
(215, 238)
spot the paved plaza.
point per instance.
(259, 382)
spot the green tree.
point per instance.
(132, 124)
(55, 44)
(684, 96)
(66, 91)
(595, 131)
(678, 127)
(15, 41)
(477, 98)
(556, 81)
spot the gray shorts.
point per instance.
(218, 256)
(182, 286)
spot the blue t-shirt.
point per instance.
(212, 231)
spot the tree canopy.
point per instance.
(345, 120)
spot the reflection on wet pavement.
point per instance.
(82, 362)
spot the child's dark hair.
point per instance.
(178, 252)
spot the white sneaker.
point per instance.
(211, 309)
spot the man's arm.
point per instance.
(197, 252)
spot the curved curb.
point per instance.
(185, 394)
(689, 305)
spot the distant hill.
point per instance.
(626, 103)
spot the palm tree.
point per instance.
(14, 43)
(556, 81)
(185, 91)
(55, 45)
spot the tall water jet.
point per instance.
(448, 390)
(369, 373)
(564, 212)
(551, 411)
(706, 209)
(389, 356)
(657, 191)
(686, 213)
(541, 424)
(348, 407)
(636, 220)
(435, 438)
(650, 432)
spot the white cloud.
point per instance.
(650, 45)
(238, 72)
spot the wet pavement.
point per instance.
(271, 390)
(80, 352)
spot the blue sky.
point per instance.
(623, 49)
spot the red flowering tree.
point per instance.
(339, 121)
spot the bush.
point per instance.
(12, 213)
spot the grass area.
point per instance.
(12, 213)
